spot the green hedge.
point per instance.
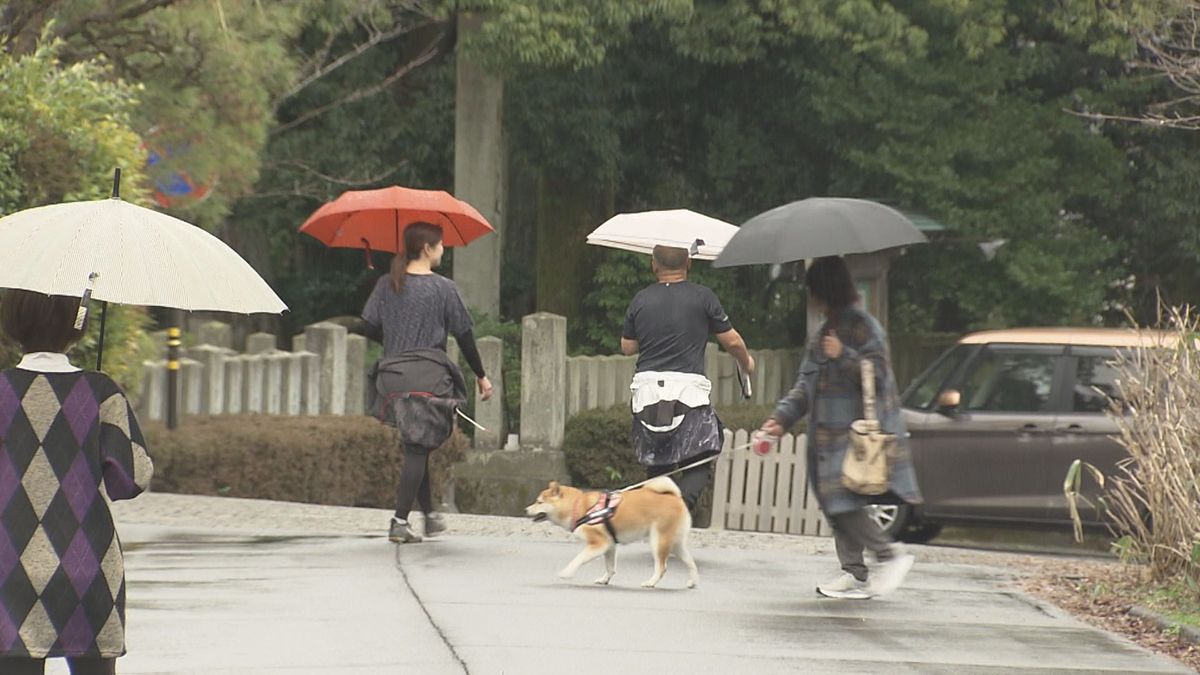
(598, 450)
(336, 460)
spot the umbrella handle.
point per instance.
(367, 248)
(100, 342)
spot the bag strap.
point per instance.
(868, 387)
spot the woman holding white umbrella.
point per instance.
(67, 433)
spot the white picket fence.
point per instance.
(765, 494)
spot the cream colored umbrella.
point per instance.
(641, 232)
(129, 255)
(114, 251)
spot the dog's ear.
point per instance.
(554, 491)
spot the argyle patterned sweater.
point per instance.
(62, 575)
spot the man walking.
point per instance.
(667, 325)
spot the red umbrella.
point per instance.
(375, 219)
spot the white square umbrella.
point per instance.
(705, 237)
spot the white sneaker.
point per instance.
(845, 587)
(891, 573)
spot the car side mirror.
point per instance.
(948, 401)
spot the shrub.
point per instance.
(1154, 500)
(336, 460)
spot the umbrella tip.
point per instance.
(116, 193)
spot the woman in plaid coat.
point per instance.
(828, 391)
(67, 435)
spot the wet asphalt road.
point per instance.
(221, 601)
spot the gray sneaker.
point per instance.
(845, 587)
(401, 533)
(435, 524)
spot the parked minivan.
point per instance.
(997, 420)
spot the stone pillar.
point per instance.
(212, 386)
(479, 168)
(258, 343)
(252, 386)
(191, 383)
(356, 374)
(328, 342)
(490, 414)
(154, 390)
(235, 377)
(293, 384)
(215, 333)
(298, 343)
(310, 383)
(276, 362)
(575, 385)
(591, 370)
(543, 380)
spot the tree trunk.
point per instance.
(567, 212)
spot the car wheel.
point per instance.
(891, 518)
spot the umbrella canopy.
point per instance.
(641, 232)
(375, 219)
(818, 227)
(129, 255)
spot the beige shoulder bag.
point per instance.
(866, 467)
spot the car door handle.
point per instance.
(1030, 429)
(1071, 429)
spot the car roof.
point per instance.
(1080, 337)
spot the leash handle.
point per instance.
(465, 417)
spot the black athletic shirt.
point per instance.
(671, 323)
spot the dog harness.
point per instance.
(601, 513)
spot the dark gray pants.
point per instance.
(855, 532)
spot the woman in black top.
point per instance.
(412, 308)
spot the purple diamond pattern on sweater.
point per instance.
(79, 485)
(80, 563)
(8, 632)
(10, 482)
(9, 558)
(81, 409)
(77, 631)
(62, 434)
(10, 403)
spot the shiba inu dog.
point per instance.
(655, 510)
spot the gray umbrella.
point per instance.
(818, 227)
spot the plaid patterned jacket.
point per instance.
(62, 574)
(829, 392)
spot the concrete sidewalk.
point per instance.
(237, 599)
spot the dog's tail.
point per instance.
(663, 485)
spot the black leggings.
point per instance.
(414, 483)
(80, 666)
(691, 482)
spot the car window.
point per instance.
(1009, 381)
(924, 392)
(1095, 383)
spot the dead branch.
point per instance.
(366, 92)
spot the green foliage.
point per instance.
(510, 333)
(558, 33)
(953, 109)
(127, 344)
(63, 129)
